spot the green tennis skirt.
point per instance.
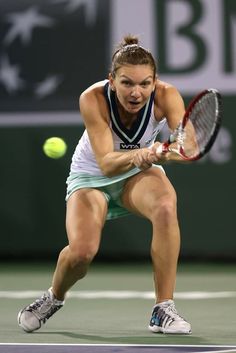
(111, 188)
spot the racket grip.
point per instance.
(163, 148)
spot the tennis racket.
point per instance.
(197, 131)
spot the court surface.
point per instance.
(109, 310)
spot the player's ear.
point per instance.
(111, 81)
(155, 82)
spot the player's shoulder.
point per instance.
(166, 93)
(167, 96)
(95, 91)
(93, 96)
(165, 89)
(92, 102)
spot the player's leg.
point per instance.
(86, 213)
(85, 218)
(151, 195)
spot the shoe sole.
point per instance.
(157, 329)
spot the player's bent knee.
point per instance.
(82, 256)
(165, 210)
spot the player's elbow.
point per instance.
(107, 170)
(107, 166)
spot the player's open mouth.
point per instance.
(134, 103)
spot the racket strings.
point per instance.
(181, 136)
(200, 125)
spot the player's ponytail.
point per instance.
(129, 51)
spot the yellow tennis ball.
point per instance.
(54, 147)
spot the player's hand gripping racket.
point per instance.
(197, 131)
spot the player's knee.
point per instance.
(82, 255)
(165, 210)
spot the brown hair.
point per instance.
(130, 52)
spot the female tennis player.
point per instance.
(116, 170)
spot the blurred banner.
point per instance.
(50, 51)
(194, 40)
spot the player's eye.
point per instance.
(126, 83)
(146, 84)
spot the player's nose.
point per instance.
(135, 93)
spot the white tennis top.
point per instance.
(142, 134)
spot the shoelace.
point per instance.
(36, 304)
(39, 302)
(44, 300)
(172, 312)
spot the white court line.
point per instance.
(121, 294)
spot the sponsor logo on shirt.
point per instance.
(129, 146)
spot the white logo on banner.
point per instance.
(184, 27)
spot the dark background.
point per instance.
(32, 186)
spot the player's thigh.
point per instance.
(147, 191)
(85, 217)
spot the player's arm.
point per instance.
(171, 106)
(93, 109)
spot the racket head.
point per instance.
(200, 125)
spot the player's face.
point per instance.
(133, 85)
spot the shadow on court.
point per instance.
(149, 339)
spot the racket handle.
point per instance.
(163, 148)
(159, 149)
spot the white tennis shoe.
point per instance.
(34, 315)
(166, 319)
